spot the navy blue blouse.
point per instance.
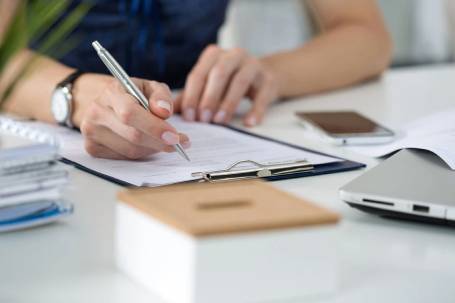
(153, 39)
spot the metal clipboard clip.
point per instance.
(257, 170)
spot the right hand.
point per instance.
(116, 126)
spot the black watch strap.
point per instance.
(70, 79)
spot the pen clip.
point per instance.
(257, 171)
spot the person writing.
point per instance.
(171, 44)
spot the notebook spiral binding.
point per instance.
(16, 127)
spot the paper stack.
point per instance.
(31, 182)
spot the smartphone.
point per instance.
(346, 127)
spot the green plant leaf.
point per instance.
(52, 42)
(42, 14)
(15, 37)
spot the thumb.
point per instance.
(159, 97)
(161, 107)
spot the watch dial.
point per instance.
(59, 106)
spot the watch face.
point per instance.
(59, 106)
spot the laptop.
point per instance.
(412, 184)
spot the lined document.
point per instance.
(213, 148)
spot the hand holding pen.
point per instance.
(116, 126)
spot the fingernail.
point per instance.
(251, 121)
(164, 105)
(219, 117)
(170, 138)
(186, 144)
(189, 114)
(206, 115)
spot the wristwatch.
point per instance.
(62, 100)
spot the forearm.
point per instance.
(7, 10)
(32, 96)
(340, 57)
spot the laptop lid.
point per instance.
(412, 184)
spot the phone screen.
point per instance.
(340, 124)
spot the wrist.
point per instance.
(86, 89)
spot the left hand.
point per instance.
(219, 81)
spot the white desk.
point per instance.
(381, 260)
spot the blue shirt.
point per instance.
(153, 39)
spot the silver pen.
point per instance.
(118, 72)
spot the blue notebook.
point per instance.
(21, 216)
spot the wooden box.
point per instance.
(239, 242)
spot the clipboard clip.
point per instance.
(255, 170)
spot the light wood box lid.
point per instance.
(205, 209)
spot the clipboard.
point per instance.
(268, 172)
(283, 171)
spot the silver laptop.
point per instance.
(412, 184)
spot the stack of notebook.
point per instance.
(31, 183)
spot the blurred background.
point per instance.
(423, 30)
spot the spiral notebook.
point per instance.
(216, 150)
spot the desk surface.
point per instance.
(381, 260)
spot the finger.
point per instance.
(133, 135)
(99, 151)
(91, 130)
(177, 103)
(185, 141)
(261, 101)
(217, 82)
(105, 137)
(132, 114)
(238, 88)
(106, 117)
(160, 98)
(195, 82)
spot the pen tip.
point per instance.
(182, 152)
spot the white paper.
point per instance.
(435, 133)
(50, 194)
(213, 148)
